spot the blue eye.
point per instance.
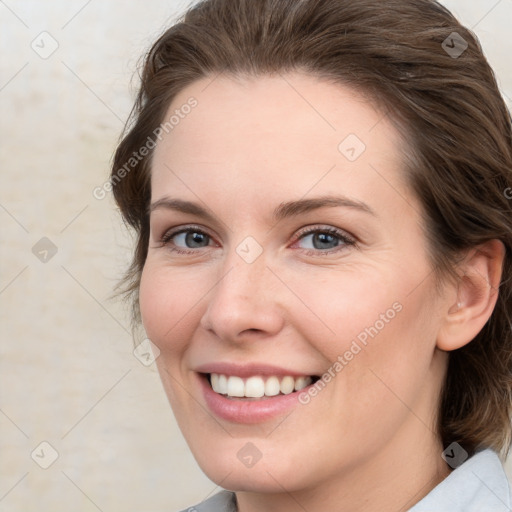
(191, 239)
(186, 240)
(324, 240)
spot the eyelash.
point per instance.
(345, 239)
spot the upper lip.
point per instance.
(249, 370)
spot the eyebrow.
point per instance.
(283, 211)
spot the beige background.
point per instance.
(68, 375)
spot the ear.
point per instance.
(474, 296)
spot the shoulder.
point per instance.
(224, 501)
(479, 484)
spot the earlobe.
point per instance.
(476, 296)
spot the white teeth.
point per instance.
(287, 385)
(223, 384)
(214, 379)
(302, 382)
(272, 387)
(236, 387)
(254, 387)
(257, 387)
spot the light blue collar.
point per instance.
(478, 485)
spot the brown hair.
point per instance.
(442, 97)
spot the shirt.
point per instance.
(478, 485)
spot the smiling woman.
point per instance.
(324, 251)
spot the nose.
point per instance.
(245, 302)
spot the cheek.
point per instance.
(338, 306)
(369, 320)
(168, 300)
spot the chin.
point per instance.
(258, 480)
(226, 467)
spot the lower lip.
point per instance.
(248, 411)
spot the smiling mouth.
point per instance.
(257, 387)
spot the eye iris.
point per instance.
(194, 239)
(319, 239)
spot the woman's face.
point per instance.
(293, 249)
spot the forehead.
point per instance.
(293, 132)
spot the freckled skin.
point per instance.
(367, 439)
